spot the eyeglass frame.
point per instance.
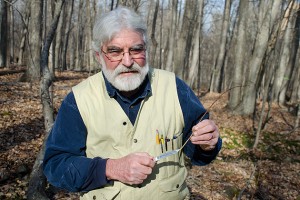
(123, 52)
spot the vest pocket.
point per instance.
(108, 192)
(175, 186)
(173, 182)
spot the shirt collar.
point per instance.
(145, 89)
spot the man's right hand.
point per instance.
(131, 169)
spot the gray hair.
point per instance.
(113, 22)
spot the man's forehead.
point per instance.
(125, 37)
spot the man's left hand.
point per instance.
(205, 134)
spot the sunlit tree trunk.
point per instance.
(261, 44)
(282, 76)
(235, 95)
(217, 76)
(171, 38)
(152, 52)
(182, 38)
(294, 84)
(193, 72)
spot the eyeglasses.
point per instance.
(116, 54)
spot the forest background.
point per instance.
(240, 57)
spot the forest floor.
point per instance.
(272, 171)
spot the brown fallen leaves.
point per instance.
(270, 172)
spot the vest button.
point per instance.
(177, 186)
(135, 140)
(94, 197)
(124, 123)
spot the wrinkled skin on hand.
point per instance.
(131, 169)
(205, 134)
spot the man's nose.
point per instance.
(127, 60)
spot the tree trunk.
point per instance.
(188, 46)
(196, 47)
(3, 33)
(34, 41)
(70, 6)
(11, 33)
(37, 183)
(24, 33)
(152, 36)
(280, 82)
(216, 82)
(78, 65)
(171, 38)
(261, 44)
(58, 42)
(89, 33)
(235, 95)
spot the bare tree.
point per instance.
(154, 42)
(218, 72)
(270, 15)
(235, 96)
(3, 33)
(172, 35)
(283, 70)
(69, 5)
(193, 72)
(79, 38)
(34, 40)
(24, 33)
(11, 40)
(37, 183)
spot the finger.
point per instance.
(202, 128)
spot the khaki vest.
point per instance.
(111, 135)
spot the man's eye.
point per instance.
(136, 50)
(114, 51)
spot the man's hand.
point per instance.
(205, 134)
(131, 169)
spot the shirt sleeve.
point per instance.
(193, 110)
(65, 163)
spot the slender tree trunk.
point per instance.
(188, 46)
(171, 38)
(37, 183)
(89, 28)
(69, 5)
(216, 82)
(11, 33)
(153, 39)
(235, 95)
(3, 33)
(24, 33)
(196, 48)
(79, 53)
(58, 42)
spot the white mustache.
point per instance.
(122, 69)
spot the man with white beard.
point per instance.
(113, 125)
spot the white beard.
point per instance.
(128, 82)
